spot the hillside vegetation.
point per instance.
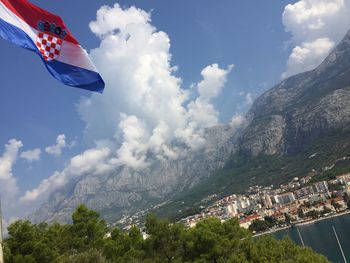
(89, 239)
(242, 171)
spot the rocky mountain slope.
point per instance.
(303, 108)
(126, 191)
(305, 114)
(300, 125)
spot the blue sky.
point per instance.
(35, 108)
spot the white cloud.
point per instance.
(214, 79)
(246, 102)
(8, 184)
(316, 26)
(91, 161)
(201, 111)
(57, 148)
(238, 121)
(133, 149)
(308, 56)
(135, 62)
(144, 108)
(31, 155)
(249, 99)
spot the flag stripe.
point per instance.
(71, 53)
(11, 18)
(67, 61)
(75, 76)
(16, 36)
(68, 74)
(32, 14)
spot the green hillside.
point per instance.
(241, 172)
(89, 240)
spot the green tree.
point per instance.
(313, 214)
(88, 240)
(89, 256)
(29, 243)
(88, 230)
(301, 213)
(165, 240)
(259, 226)
(270, 220)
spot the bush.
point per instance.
(86, 241)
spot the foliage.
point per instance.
(326, 210)
(89, 240)
(335, 187)
(347, 200)
(313, 214)
(259, 226)
(241, 172)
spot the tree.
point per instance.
(301, 213)
(29, 243)
(85, 241)
(288, 218)
(88, 229)
(89, 256)
(326, 210)
(335, 205)
(164, 238)
(259, 226)
(313, 214)
(272, 221)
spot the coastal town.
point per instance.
(266, 209)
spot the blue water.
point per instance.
(320, 237)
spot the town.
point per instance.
(300, 201)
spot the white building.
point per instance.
(285, 198)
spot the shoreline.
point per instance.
(309, 222)
(322, 218)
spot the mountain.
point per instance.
(126, 191)
(301, 109)
(300, 125)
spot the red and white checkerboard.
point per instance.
(49, 46)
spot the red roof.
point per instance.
(250, 218)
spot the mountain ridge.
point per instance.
(304, 113)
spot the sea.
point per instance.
(321, 238)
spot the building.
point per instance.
(247, 221)
(345, 178)
(266, 200)
(285, 198)
(231, 210)
(304, 192)
(320, 187)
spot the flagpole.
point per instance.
(340, 247)
(1, 251)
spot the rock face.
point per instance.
(283, 121)
(126, 191)
(289, 117)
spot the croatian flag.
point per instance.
(33, 28)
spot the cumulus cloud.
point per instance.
(238, 121)
(144, 107)
(57, 148)
(31, 155)
(91, 161)
(316, 26)
(308, 55)
(143, 95)
(201, 111)
(8, 184)
(249, 98)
